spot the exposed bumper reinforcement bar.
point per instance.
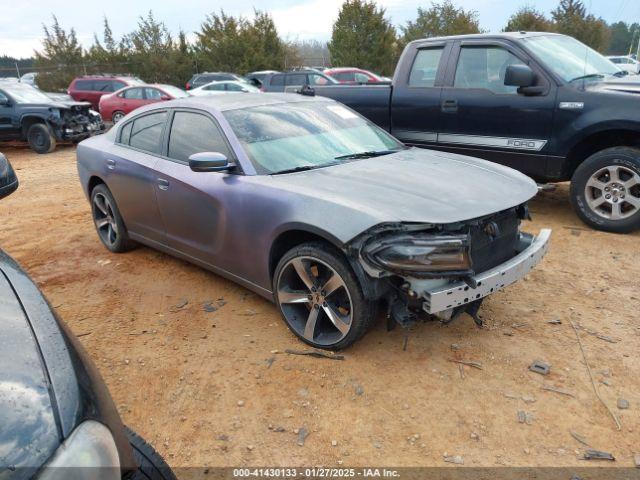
(456, 294)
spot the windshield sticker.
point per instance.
(342, 112)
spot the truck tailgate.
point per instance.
(372, 101)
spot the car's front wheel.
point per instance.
(320, 298)
(151, 466)
(40, 138)
(605, 190)
(108, 221)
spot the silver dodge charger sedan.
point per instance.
(310, 205)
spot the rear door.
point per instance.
(415, 102)
(131, 175)
(481, 116)
(133, 98)
(192, 203)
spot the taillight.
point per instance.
(188, 85)
(262, 89)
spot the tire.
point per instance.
(151, 466)
(342, 299)
(40, 138)
(108, 221)
(117, 116)
(605, 190)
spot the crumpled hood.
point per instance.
(28, 432)
(415, 185)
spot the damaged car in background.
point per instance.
(28, 114)
(312, 206)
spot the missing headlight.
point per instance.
(421, 254)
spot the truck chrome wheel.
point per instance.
(314, 300)
(613, 192)
(104, 219)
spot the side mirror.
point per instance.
(165, 98)
(307, 91)
(519, 76)
(8, 179)
(4, 101)
(209, 162)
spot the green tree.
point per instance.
(106, 56)
(240, 45)
(363, 37)
(152, 51)
(61, 57)
(571, 18)
(623, 37)
(441, 19)
(528, 19)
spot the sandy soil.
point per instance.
(206, 388)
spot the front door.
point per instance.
(192, 203)
(481, 116)
(7, 124)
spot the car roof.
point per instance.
(233, 101)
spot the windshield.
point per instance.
(25, 93)
(304, 135)
(569, 58)
(175, 92)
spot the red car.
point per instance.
(91, 88)
(116, 105)
(354, 75)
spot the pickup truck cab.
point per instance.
(542, 103)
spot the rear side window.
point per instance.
(215, 86)
(84, 85)
(277, 80)
(425, 67)
(146, 132)
(125, 134)
(195, 133)
(133, 93)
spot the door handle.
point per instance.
(163, 184)
(449, 106)
(111, 164)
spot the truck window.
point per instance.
(485, 67)
(425, 67)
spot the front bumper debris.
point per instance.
(452, 295)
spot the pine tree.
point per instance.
(528, 19)
(363, 37)
(440, 20)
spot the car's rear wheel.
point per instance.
(117, 116)
(605, 190)
(320, 298)
(40, 138)
(151, 466)
(108, 221)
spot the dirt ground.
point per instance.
(211, 386)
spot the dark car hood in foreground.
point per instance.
(28, 431)
(415, 185)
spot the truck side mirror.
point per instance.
(519, 76)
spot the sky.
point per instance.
(21, 20)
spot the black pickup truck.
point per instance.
(544, 104)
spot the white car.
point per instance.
(224, 86)
(629, 64)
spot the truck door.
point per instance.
(480, 116)
(415, 102)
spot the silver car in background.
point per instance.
(310, 205)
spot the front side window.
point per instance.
(115, 86)
(315, 79)
(215, 86)
(146, 132)
(344, 76)
(425, 67)
(133, 94)
(153, 94)
(306, 134)
(3, 98)
(296, 79)
(485, 67)
(195, 133)
(102, 86)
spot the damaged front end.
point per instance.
(444, 270)
(75, 121)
